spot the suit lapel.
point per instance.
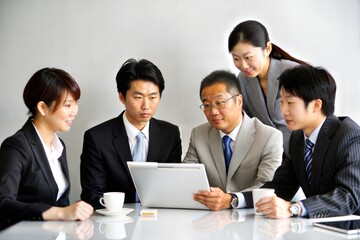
(273, 84)
(63, 163)
(121, 143)
(244, 141)
(217, 152)
(40, 157)
(297, 158)
(154, 141)
(253, 89)
(321, 147)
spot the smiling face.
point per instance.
(252, 61)
(141, 102)
(230, 115)
(61, 118)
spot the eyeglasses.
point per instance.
(205, 107)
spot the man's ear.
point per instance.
(122, 98)
(239, 100)
(317, 105)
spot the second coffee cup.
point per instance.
(260, 193)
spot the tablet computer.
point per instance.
(344, 226)
(169, 185)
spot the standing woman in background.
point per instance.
(34, 176)
(260, 63)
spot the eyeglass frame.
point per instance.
(217, 105)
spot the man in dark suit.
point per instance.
(329, 171)
(108, 146)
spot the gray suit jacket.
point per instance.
(256, 155)
(266, 110)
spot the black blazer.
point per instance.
(27, 186)
(335, 184)
(106, 150)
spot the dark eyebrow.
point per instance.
(151, 94)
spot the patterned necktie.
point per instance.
(137, 154)
(227, 151)
(308, 158)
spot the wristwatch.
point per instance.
(294, 209)
(234, 201)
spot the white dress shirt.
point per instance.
(55, 166)
(132, 131)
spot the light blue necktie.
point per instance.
(227, 151)
(137, 154)
(308, 158)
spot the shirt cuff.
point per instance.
(304, 212)
(241, 200)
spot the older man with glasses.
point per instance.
(239, 153)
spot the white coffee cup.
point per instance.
(113, 201)
(260, 193)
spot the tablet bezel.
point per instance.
(329, 225)
(169, 185)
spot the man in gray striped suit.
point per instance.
(329, 172)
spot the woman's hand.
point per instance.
(77, 211)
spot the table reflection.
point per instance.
(71, 229)
(113, 227)
(172, 224)
(217, 221)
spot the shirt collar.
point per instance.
(132, 131)
(233, 134)
(314, 135)
(56, 146)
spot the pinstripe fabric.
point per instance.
(335, 185)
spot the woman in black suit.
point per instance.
(34, 177)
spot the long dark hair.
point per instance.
(256, 34)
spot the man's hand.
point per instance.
(216, 199)
(273, 207)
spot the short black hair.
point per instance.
(133, 70)
(222, 76)
(49, 85)
(310, 83)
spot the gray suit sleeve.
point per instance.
(191, 154)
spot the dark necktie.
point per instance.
(227, 151)
(308, 158)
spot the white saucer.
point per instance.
(115, 219)
(124, 211)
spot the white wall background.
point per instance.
(186, 39)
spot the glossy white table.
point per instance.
(173, 224)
